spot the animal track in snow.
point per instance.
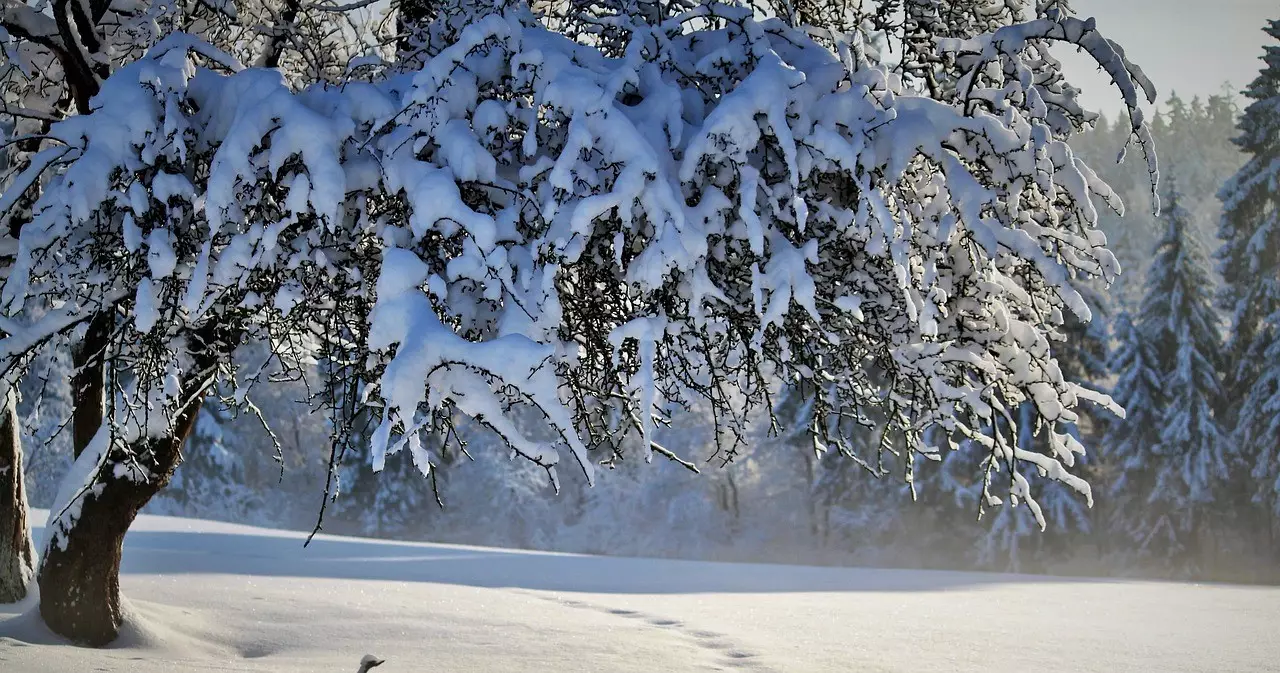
(728, 654)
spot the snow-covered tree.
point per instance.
(1173, 455)
(16, 557)
(55, 58)
(1249, 260)
(657, 214)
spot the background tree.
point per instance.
(1172, 466)
(1126, 445)
(212, 481)
(1249, 260)
(1197, 139)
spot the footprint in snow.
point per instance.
(729, 653)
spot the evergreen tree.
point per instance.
(1196, 137)
(1128, 444)
(1250, 263)
(44, 407)
(1171, 452)
(211, 483)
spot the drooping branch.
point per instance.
(21, 20)
(1129, 79)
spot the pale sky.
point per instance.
(1188, 46)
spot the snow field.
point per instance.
(207, 596)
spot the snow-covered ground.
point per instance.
(220, 597)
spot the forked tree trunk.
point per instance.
(17, 553)
(80, 580)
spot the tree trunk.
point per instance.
(80, 578)
(17, 553)
(88, 384)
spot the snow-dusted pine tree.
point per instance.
(1172, 454)
(1194, 136)
(683, 208)
(1128, 446)
(1250, 264)
(211, 484)
(1124, 449)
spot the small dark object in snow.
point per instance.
(368, 662)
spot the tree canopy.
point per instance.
(600, 230)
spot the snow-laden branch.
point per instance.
(22, 20)
(1009, 42)
(601, 232)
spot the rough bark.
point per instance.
(79, 575)
(80, 579)
(17, 553)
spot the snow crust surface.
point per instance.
(221, 597)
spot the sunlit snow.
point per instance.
(209, 596)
